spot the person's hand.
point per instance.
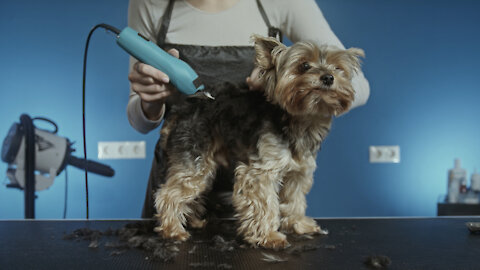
(254, 82)
(153, 87)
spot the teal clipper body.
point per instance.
(181, 75)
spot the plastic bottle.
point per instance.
(457, 182)
(475, 182)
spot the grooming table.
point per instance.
(458, 209)
(408, 243)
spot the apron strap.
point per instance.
(272, 31)
(162, 34)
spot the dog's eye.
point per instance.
(305, 66)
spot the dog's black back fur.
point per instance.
(237, 117)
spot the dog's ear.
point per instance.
(266, 49)
(352, 56)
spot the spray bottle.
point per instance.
(475, 182)
(457, 182)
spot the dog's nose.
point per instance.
(327, 79)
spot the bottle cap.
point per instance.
(457, 163)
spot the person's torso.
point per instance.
(205, 40)
(231, 27)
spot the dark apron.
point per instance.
(215, 66)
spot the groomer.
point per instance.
(213, 36)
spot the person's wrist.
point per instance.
(153, 110)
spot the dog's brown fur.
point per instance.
(271, 137)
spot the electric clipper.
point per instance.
(181, 75)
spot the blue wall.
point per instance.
(422, 64)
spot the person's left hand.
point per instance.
(254, 82)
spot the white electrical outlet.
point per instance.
(384, 154)
(121, 150)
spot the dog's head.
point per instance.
(305, 79)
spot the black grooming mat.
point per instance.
(423, 243)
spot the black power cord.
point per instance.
(116, 31)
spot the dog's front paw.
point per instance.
(172, 234)
(275, 240)
(304, 225)
(197, 223)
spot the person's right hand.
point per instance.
(153, 87)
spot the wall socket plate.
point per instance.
(384, 154)
(121, 150)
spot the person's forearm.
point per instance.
(362, 90)
(137, 118)
(153, 110)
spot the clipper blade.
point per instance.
(207, 94)
(202, 94)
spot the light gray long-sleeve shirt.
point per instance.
(298, 20)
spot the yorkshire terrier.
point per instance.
(270, 137)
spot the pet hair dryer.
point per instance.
(27, 149)
(52, 154)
